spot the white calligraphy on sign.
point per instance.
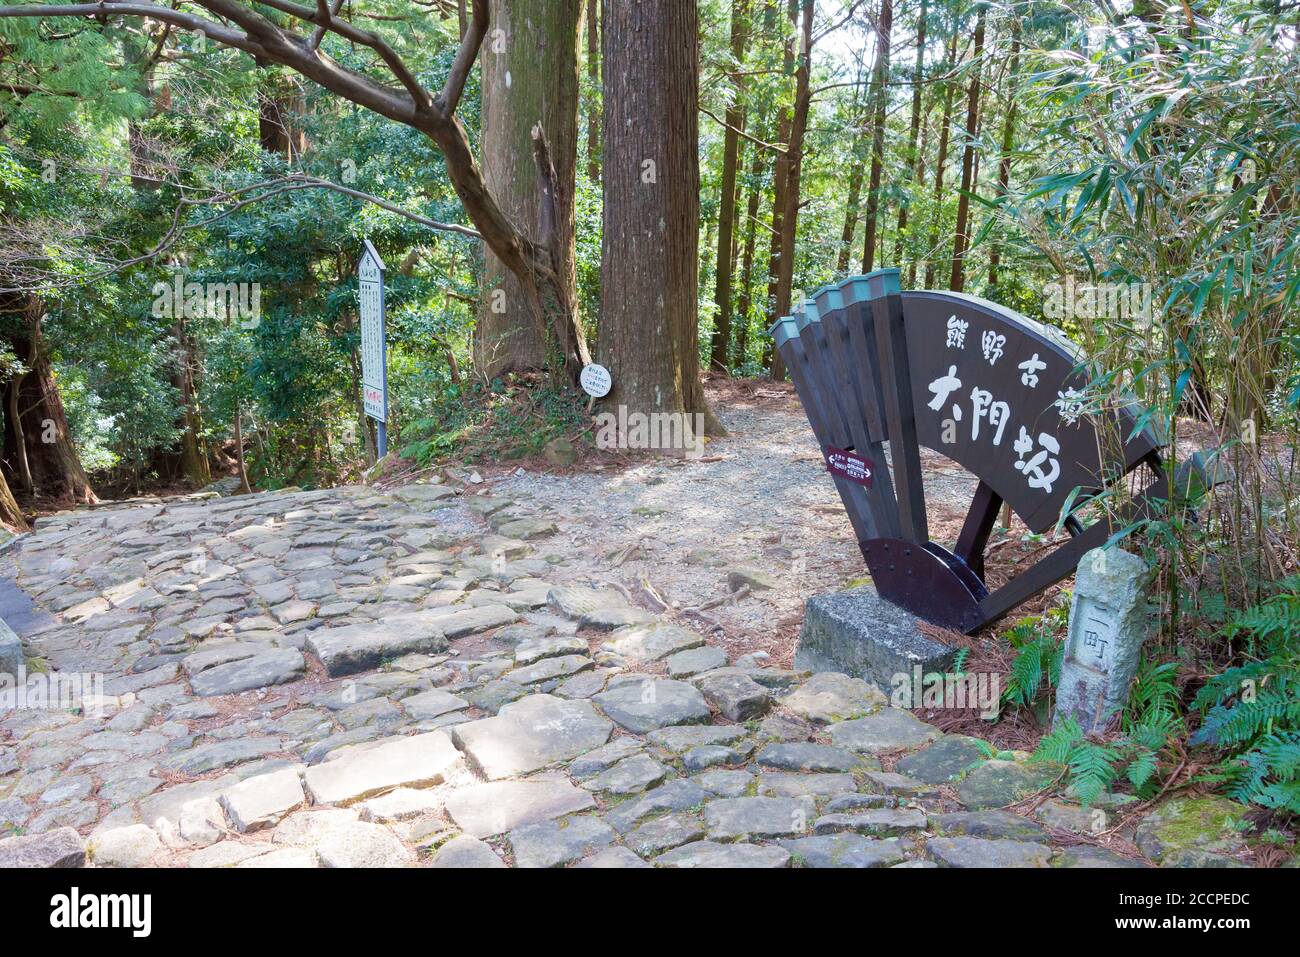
(1041, 469)
(1030, 369)
(992, 344)
(1033, 468)
(943, 387)
(957, 332)
(998, 414)
(1070, 405)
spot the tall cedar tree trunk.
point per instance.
(1008, 139)
(17, 465)
(194, 461)
(727, 201)
(790, 214)
(880, 89)
(280, 106)
(941, 160)
(593, 78)
(780, 182)
(914, 133)
(649, 337)
(37, 435)
(530, 76)
(957, 280)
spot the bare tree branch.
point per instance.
(452, 89)
(739, 132)
(419, 95)
(303, 181)
(186, 21)
(323, 9)
(239, 199)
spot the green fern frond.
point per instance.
(1056, 747)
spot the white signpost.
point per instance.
(374, 365)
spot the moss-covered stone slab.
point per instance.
(999, 783)
(944, 761)
(977, 852)
(1182, 831)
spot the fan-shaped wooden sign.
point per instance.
(999, 394)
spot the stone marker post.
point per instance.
(1108, 621)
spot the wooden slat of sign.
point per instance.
(980, 518)
(858, 294)
(1008, 402)
(864, 354)
(884, 506)
(838, 432)
(895, 379)
(793, 352)
(844, 313)
(823, 379)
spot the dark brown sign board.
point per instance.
(999, 394)
(847, 465)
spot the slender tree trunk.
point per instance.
(880, 90)
(194, 463)
(790, 216)
(20, 439)
(727, 201)
(593, 77)
(914, 132)
(530, 76)
(744, 303)
(1008, 140)
(856, 172)
(780, 183)
(918, 184)
(945, 125)
(852, 212)
(961, 241)
(239, 450)
(650, 249)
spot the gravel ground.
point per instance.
(758, 499)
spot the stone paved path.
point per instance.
(354, 678)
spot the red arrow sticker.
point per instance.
(852, 467)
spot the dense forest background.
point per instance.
(649, 185)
